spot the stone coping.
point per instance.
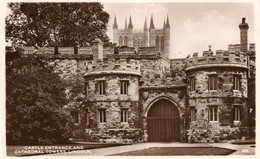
(203, 66)
(98, 73)
(163, 86)
(109, 100)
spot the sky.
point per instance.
(194, 26)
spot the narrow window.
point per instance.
(157, 43)
(101, 88)
(125, 42)
(162, 44)
(192, 84)
(192, 114)
(139, 43)
(213, 113)
(236, 82)
(124, 115)
(87, 117)
(120, 41)
(86, 89)
(102, 115)
(237, 113)
(75, 116)
(212, 82)
(124, 87)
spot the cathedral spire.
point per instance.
(151, 23)
(145, 25)
(130, 26)
(167, 23)
(115, 24)
(164, 23)
(125, 23)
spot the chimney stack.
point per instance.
(97, 50)
(243, 35)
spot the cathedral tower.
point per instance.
(152, 37)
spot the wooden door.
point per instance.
(163, 122)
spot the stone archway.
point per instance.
(163, 122)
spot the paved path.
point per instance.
(241, 149)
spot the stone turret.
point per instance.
(243, 35)
(217, 93)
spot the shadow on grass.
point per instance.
(172, 151)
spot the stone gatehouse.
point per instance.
(139, 95)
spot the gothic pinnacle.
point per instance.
(167, 23)
(151, 23)
(125, 23)
(130, 26)
(115, 24)
(145, 25)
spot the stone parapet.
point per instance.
(125, 65)
(126, 50)
(157, 81)
(147, 50)
(221, 57)
(63, 50)
(61, 56)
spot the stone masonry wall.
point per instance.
(158, 72)
(225, 98)
(113, 130)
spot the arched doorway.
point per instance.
(163, 122)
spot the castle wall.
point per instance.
(150, 77)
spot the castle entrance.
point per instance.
(163, 122)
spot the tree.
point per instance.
(56, 24)
(35, 97)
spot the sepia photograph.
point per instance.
(129, 78)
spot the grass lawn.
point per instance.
(17, 150)
(172, 151)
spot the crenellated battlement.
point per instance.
(111, 65)
(87, 50)
(221, 57)
(64, 50)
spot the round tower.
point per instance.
(112, 99)
(217, 94)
